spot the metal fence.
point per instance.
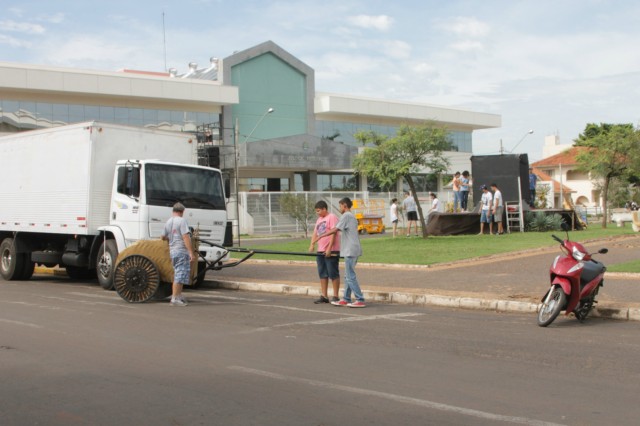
(263, 213)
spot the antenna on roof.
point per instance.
(164, 42)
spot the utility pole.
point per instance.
(501, 148)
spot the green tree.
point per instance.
(300, 207)
(413, 148)
(611, 151)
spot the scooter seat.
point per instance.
(590, 271)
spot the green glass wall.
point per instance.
(268, 82)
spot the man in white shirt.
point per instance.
(485, 214)
(498, 207)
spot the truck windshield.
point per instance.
(194, 187)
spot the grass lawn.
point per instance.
(418, 251)
(632, 266)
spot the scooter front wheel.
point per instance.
(552, 307)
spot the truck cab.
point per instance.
(143, 194)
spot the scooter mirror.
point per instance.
(564, 226)
(603, 251)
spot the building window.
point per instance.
(337, 182)
(423, 183)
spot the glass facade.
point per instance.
(423, 183)
(337, 182)
(23, 115)
(343, 132)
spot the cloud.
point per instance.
(13, 42)
(466, 27)
(396, 49)
(56, 18)
(379, 22)
(467, 46)
(21, 27)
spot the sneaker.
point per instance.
(335, 299)
(340, 303)
(322, 299)
(178, 302)
(357, 305)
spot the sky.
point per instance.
(547, 66)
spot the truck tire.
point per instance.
(105, 263)
(27, 268)
(11, 263)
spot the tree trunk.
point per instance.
(605, 197)
(414, 194)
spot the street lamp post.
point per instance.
(235, 149)
(525, 135)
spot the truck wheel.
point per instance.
(105, 263)
(28, 267)
(11, 263)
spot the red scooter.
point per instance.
(575, 281)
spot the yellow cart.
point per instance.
(370, 224)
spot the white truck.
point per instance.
(77, 195)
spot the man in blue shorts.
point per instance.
(176, 231)
(328, 253)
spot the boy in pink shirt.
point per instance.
(328, 253)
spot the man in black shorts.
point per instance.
(410, 207)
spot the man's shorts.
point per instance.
(328, 266)
(181, 269)
(412, 215)
(497, 214)
(485, 217)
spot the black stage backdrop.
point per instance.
(502, 170)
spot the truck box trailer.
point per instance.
(77, 195)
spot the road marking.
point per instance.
(120, 305)
(53, 308)
(100, 296)
(397, 398)
(342, 319)
(217, 296)
(26, 324)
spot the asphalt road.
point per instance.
(73, 354)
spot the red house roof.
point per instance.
(566, 158)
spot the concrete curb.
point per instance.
(421, 299)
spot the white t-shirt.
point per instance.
(497, 197)
(434, 205)
(393, 212)
(486, 200)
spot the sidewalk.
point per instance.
(510, 282)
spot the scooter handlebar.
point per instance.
(557, 239)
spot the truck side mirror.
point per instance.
(129, 181)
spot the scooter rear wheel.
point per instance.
(550, 310)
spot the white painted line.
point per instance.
(52, 308)
(100, 296)
(343, 319)
(333, 311)
(25, 324)
(85, 302)
(216, 296)
(397, 398)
